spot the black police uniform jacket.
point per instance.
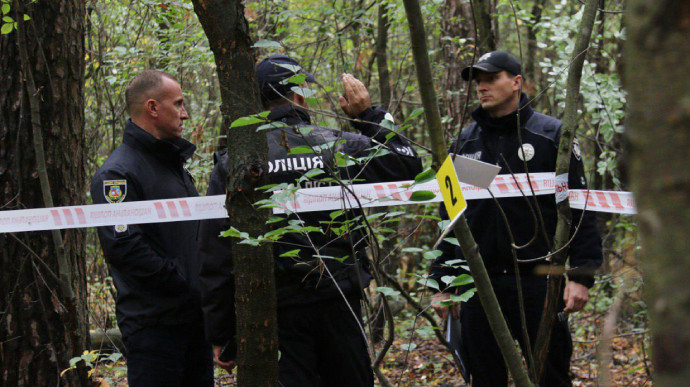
(154, 266)
(298, 279)
(496, 141)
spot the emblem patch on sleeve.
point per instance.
(114, 190)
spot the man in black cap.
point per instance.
(319, 275)
(509, 133)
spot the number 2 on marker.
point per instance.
(449, 185)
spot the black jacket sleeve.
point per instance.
(585, 248)
(128, 250)
(401, 163)
(217, 280)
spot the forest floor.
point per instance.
(428, 364)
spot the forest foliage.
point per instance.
(331, 37)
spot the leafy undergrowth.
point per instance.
(427, 364)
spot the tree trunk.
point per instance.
(486, 37)
(530, 69)
(255, 299)
(454, 24)
(43, 321)
(462, 230)
(657, 57)
(382, 57)
(565, 147)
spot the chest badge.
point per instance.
(526, 152)
(114, 191)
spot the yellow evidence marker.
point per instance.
(449, 184)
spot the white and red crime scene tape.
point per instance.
(303, 200)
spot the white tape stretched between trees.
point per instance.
(303, 200)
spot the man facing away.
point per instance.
(155, 266)
(494, 138)
(320, 333)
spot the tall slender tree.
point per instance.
(228, 34)
(43, 321)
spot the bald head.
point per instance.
(146, 85)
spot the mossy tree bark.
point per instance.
(43, 319)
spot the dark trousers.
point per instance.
(321, 344)
(169, 356)
(484, 358)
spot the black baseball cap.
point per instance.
(273, 71)
(494, 62)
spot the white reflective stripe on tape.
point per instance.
(140, 212)
(304, 200)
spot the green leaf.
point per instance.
(266, 44)
(333, 215)
(465, 296)
(343, 160)
(412, 250)
(386, 291)
(248, 120)
(414, 114)
(304, 130)
(314, 172)
(7, 19)
(73, 361)
(297, 79)
(114, 357)
(427, 175)
(433, 254)
(299, 150)
(6, 28)
(462, 279)
(271, 125)
(27, 17)
(5, 9)
(422, 196)
(428, 282)
(231, 232)
(303, 91)
(453, 241)
(291, 253)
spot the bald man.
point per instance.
(155, 266)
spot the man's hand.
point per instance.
(442, 310)
(228, 366)
(357, 99)
(575, 297)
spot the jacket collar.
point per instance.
(176, 150)
(506, 123)
(290, 115)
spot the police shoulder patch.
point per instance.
(114, 191)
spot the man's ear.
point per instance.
(152, 107)
(517, 82)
